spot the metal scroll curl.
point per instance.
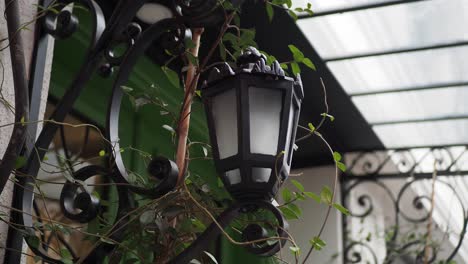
(364, 200)
(80, 205)
(153, 33)
(24, 191)
(409, 207)
(223, 220)
(417, 204)
(76, 202)
(353, 253)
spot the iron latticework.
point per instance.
(77, 203)
(405, 205)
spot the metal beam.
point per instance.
(413, 88)
(427, 175)
(357, 8)
(422, 120)
(398, 51)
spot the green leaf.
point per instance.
(326, 195)
(169, 128)
(229, 37)
(337, 156)
(248, 37)
(198, 225)
(307, 62)
(193, 60)
(270, 11)
(222, 51)
(341, 208)
(341, 166)
(295, 209)
(311, 127)
(205, 151)
(20, 162)
(295, 250)
(126, 89)
(132, 261)
(102, 153)
(313, 196)
(171, 75)
(288, 213)
(293, 15)
(220, 183)
(287, 195)
(310, 12)
(295, 68)
(106, 240)
(211, 257)
(65, 253)
(332, 118)
(147, 217)
(297, 54)
(236, 19)
(96, 194)
(317, 243)
(288, 3)
(284, 66)
(22, 121)
(298, 185)
(300, 196)
(189, 44)
(33, 241)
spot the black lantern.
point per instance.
(252, 113)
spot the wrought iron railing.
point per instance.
(399, 194)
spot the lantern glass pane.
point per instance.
(261, 174)
(233, 176)
(224, 111)
(265, 118)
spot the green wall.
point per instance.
(142, 129)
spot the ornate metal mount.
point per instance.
(77, 203)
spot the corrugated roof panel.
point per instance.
(400, 26)
(414, 105)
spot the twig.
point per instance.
(431, 210)
(335, 184)
(184, 120)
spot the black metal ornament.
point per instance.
(250, 173)
(77, 203)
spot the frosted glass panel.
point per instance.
(265, 116)
(437, 66)
(424, 134)
(225, 120)
(261, 174)
(414, 105)
(233, 176)
(381, 29)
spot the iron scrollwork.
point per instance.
(385, 184)
(76, 202)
